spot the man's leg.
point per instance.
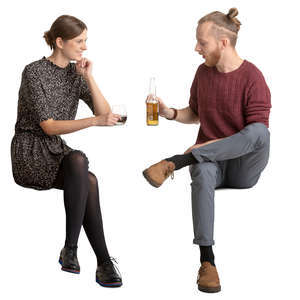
(249, 139)
(244, 172)
(205, 178)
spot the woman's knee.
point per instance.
(93, 181)
(76, 158)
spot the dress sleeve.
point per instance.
(36, 96)
(193, 103)
(85, 94)
(258, 103)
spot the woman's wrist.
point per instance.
(88, 77)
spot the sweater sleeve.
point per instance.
(258, 102)
(85, 94)
(193, 103)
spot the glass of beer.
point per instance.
(120, 109)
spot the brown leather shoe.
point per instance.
(208, 278)
(158, 173)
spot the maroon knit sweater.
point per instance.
(227, 102)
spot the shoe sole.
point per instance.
(112, 284)
(209, 289)
(68, 270)
(153, 183)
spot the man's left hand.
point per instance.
(201, 145)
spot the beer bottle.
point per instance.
(152, 104)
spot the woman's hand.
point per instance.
(84, 67)
(108, 119)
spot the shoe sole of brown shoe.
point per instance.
(209, 289)
(153, 183)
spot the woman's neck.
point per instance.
(59, 59)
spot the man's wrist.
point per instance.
(174, 114)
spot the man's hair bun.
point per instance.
(233, 12)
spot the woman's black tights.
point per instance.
(81, 199)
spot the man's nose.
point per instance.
(198, 49)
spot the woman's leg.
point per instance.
(75, 183)
(88, 212)
(92, 222)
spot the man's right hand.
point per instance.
(164, 110)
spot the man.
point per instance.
(231, 100)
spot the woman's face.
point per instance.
(74, 48)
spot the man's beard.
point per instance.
(213, 59)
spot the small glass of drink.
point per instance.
(120, 109)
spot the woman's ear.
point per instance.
(59, 43)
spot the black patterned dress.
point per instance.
(46, 91)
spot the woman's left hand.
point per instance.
(84, 67)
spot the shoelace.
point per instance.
(169, 172)
(117, 269)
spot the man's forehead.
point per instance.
(203, 31)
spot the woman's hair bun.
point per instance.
(47, 37)
(233, 12)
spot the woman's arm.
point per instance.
(84, 68)
(101, 105)
(57, 127)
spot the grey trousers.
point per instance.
(234, 162)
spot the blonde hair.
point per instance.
(224, 24)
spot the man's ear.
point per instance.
(224, 42)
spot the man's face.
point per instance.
(207, 46)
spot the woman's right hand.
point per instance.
(108, 119)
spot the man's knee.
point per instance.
(203, 171)
(258, 133)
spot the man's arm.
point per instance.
(184, 115)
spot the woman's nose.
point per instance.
(84, 47)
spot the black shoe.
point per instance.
(108, 275)
(68, 260)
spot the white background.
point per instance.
(149, 230)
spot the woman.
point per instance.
(48, 101)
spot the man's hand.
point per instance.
(201, 145)
(164, 110)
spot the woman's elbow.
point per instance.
(47, 127)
